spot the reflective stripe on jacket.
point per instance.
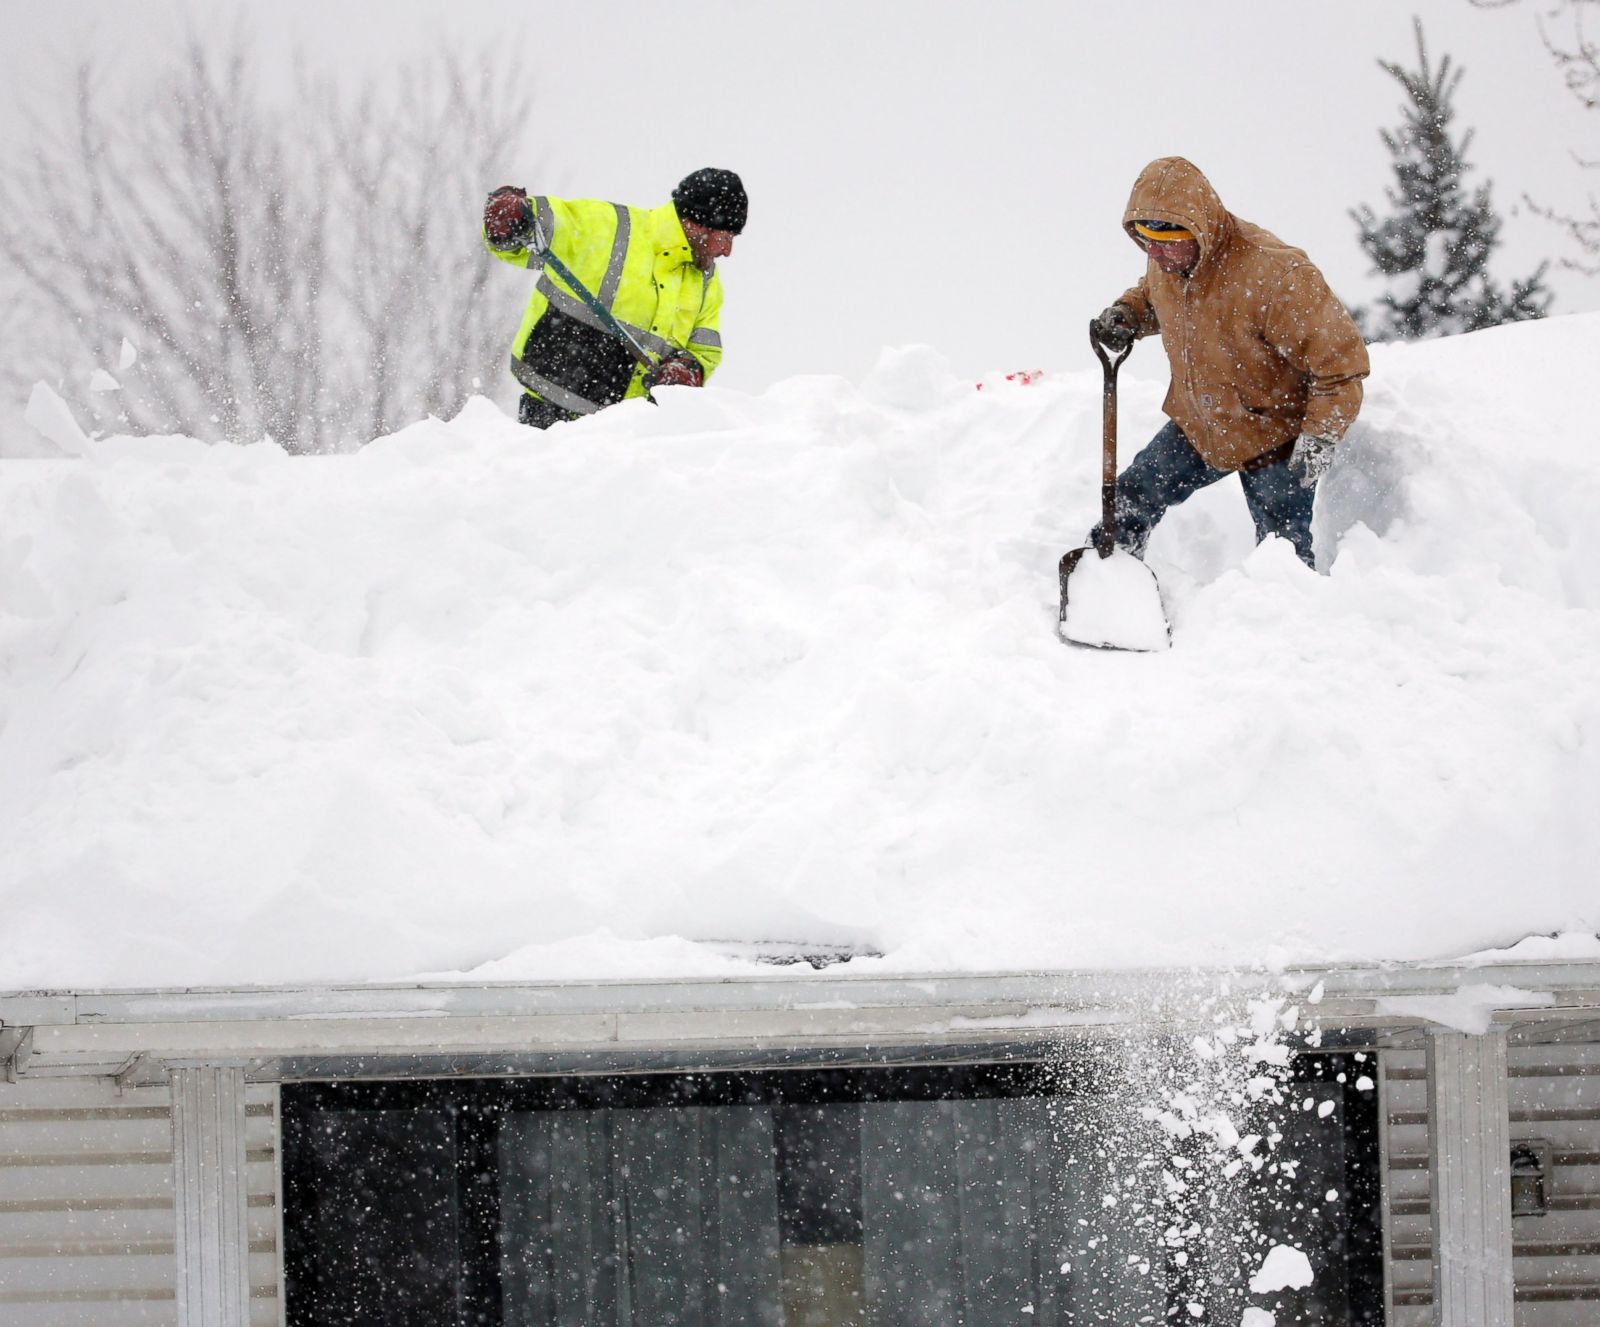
(638, 264)
(1260, 349)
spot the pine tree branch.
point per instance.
(1435, 246)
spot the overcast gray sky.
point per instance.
(938, 171)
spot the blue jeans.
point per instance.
(1168, 470)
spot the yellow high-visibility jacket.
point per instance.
(637, 262)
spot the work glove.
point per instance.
(508, 221)
(1116, 328)
(1311, 457)
(679, 369)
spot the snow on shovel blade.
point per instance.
(1114, 603)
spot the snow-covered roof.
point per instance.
(480, 703)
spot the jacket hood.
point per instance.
(1174, 189)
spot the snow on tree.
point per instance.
(1434, 247)
(304, 268)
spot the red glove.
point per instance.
(508, 219)
(678, 370)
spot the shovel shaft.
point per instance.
(1108, 457)
(607, 319)
(1108, 442)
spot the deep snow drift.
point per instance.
(482, 700)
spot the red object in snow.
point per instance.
(1025, 377)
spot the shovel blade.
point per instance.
(1111, 603)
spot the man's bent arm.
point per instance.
(1310, 328)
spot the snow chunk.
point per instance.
(101, 381)
(1470, 1009)
(1257, 1318)
(50, 416)
(1114, 602)
(1562, 947)
(127, 356)
(1284, 1268)
(910, 378)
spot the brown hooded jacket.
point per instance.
(1261, 350)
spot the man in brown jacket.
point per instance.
(1266, 363)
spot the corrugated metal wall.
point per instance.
(1555, 1097)
(87, 1221)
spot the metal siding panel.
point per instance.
(1407, 1140)
(1574, 1137)
(1409, 1186)
(66, 1093)
(1543, 1273)
(1567, 1055)
(1385, 1185)
(126, 1313)
(82, 1223)
(86, 1218)
(267, 1301)
(1558, 1086)
(1553, 1094)
(1557, 1314)
(141, 1271)
(1411, 1275)
(1577, 1178)
(1471, 1212)
(1564, 1092)
(88, 1223)
(88, 1181)
(208, 1129)
(1412, 1231)
(141, 1129)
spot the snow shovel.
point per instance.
(1114, 602)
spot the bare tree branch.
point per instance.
(309, 272)
(1577, 58)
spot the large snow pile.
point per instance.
(483, 700)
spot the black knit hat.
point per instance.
(714, 199)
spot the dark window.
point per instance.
(803, 1198)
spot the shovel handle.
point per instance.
(1108, 436)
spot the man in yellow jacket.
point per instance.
(1266, 362)
(653, 269)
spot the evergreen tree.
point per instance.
(1435, 246)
